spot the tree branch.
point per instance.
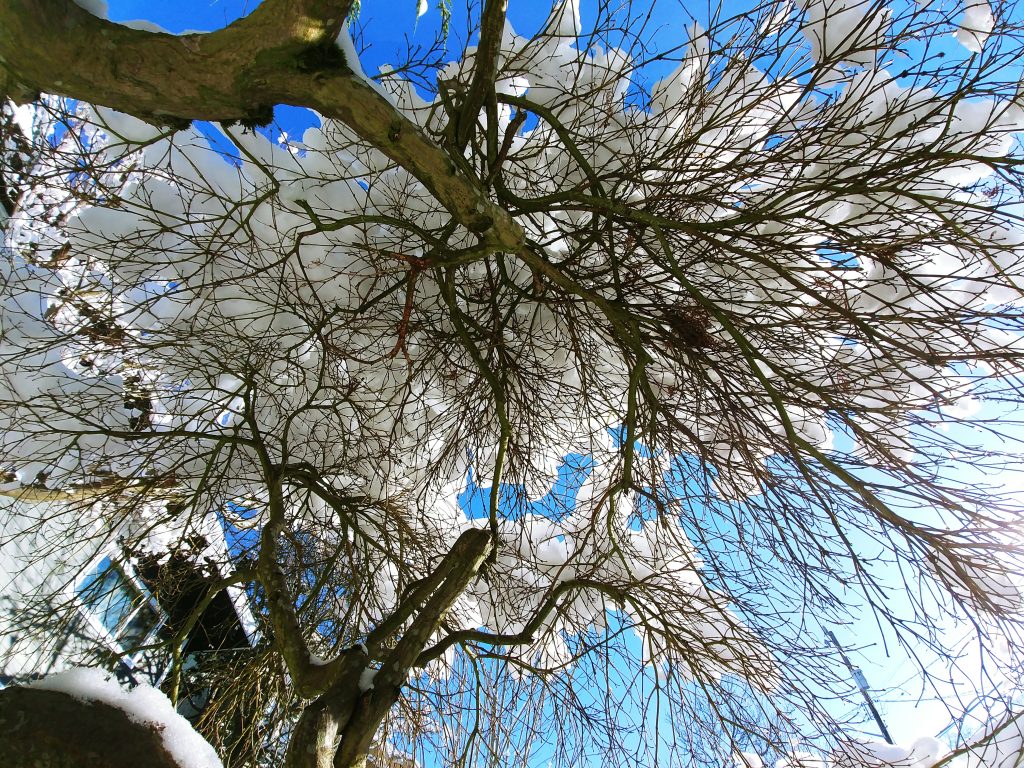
(461, 554)
(485, 69)
(281, 53)
(310, 679)
(526, 635)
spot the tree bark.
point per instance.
(314, 740)
(462, 565)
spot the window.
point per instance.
(119, 604)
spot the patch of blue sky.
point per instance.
(732, 539)
(219, 143)
(918, 688)
(62, 125)
(597, 710)
(738, 546)
(242, 538)
(241, 535)
(512, 499)
(198, 15)
(609, 708)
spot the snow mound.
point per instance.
(144, 705)
(923, 753)
(998, 746)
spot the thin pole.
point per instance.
(862, 684)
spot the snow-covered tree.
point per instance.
(731, 320)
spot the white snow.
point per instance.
(976, 26)
(25, 118)
(98, 8)
(126, 127)
(980, 580)
(848, 31)
(366, 678)
(922, 753)
(1000, 746)
(144, 705)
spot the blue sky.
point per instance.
(388, 29)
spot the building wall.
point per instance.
(69, 596)
(41, 627)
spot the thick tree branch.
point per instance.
(313, 742)
(281, 53)
(461, 553)
(458, 568)
(339, 704)
(461, 565)
(485, 69)
(310, 679)
(56, 46)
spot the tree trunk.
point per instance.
(314, 741)
(338, 728)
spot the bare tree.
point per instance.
(762, 296)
